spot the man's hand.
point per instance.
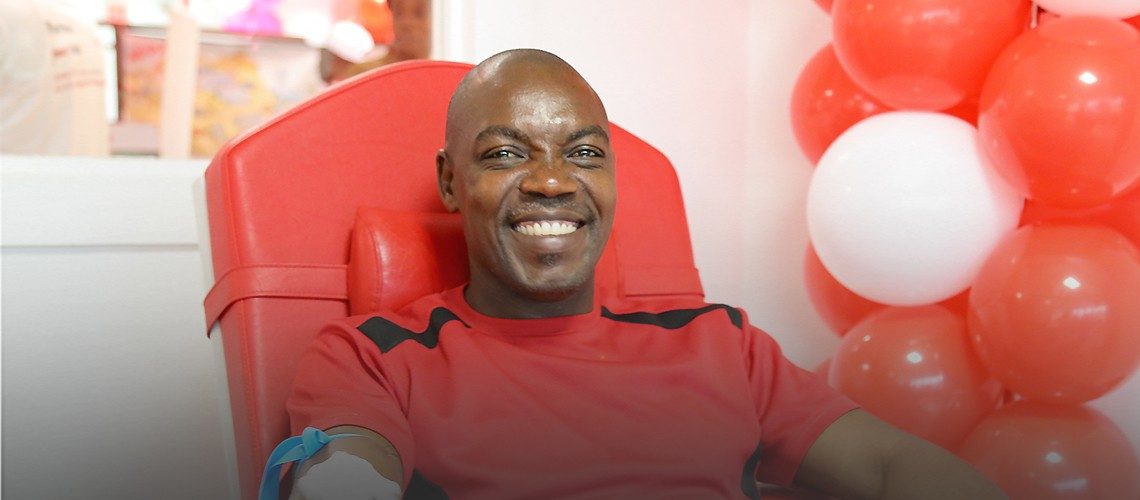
(364, 467)
(860, 456)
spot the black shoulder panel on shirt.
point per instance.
(748, 477)
(421, 488)
(387, 335)
(673, 319)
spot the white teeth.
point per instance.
(546, 228)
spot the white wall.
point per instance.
(785, 34)
(108, 378)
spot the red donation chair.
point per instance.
(332, 208)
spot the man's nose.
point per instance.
(549, 180)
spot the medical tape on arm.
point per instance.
(292, 449)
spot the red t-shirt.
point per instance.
(649, 399)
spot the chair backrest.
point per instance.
(283, 200)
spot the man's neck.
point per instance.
(499, 303)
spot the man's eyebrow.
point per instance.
(502, 131)
(591, 130)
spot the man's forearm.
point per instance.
(920, 470)
(861, 457)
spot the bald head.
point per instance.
(516, 68)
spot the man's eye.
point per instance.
(501, 154)
(586, 153)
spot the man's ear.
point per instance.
(445, 175)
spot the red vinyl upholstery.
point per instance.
(352, 171)
(398, 256)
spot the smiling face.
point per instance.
(528, 165)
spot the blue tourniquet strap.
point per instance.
(292, 449)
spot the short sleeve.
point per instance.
(342, 380)
(794, 407)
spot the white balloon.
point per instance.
(1116, 9)
(903, 208)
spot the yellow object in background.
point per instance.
(241, 82)
(231, 98)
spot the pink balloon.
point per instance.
(1060, 112)
(913, 367)
(825, 102)
(1055, 312)
(1035, 451)
(1121, 214)
(823, 369)
(926, 55)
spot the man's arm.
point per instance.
(321, 478)
(860, 456)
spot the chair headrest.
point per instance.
(397, 256)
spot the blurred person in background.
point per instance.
(51, 82)
(411, 30)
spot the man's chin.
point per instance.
(554, 289)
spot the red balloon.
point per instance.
(1054, 312)
(1122, 214)
(927, 55)
(839, 307)
(966, 110)
(958, 304)
(823, 369)
(825, 102)
(824, 4)
(1134, 21)
(912, 366)
(1044, 16)
(1060, 111)
(1035, 451)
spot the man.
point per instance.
(523, 384)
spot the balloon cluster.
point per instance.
(975, 227)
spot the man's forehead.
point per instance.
(528, 113)
(520, 86)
